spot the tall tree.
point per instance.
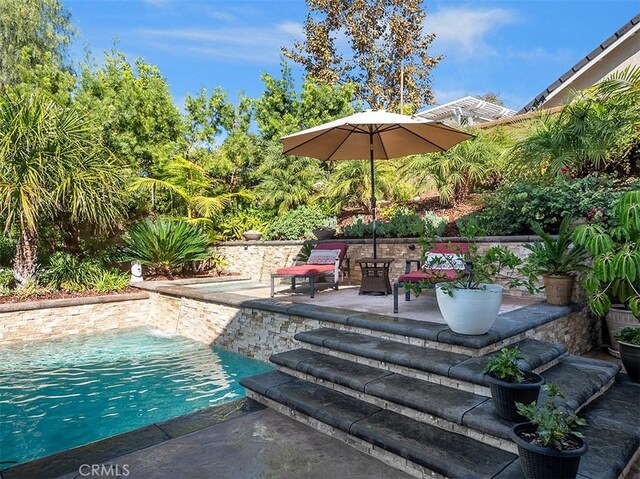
(34, 40)
(388, 46)
(51, 160)
(138, 119)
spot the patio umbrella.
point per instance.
(373, 135)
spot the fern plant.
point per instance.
(165, 245)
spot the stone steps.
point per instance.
(434, 365)
(420, 448)
(612, 434)
(509, 327)
(448, 408)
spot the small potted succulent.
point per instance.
(629, 342)
(557, 261)
(549, 445)
(327, 229)
(510, 385)
(613, 283)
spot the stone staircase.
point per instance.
(426, 409)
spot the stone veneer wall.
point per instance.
(258, 259)
(40, 320)
(258, 332)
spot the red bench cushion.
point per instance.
(432, 275)
(306, 270)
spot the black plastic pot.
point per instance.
(630, 355)
(542, 463)
(505, 395)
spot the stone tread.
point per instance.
(444, 363)
(444, 452)
(578, 377)
(435, 399)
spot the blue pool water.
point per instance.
(58, 394)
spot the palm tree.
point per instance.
(460, 169)
(51, 160)
(350, 183)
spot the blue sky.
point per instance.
(515, 48)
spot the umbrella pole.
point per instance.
(373, 196)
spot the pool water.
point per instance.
(59, 394)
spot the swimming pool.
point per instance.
(59, 394)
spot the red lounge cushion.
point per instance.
(341, 246)
(432, 275)
(306, 269)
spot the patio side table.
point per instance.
(375, 275)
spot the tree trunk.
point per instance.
(25, 265)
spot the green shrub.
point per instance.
(7, 251)
(357, 229)
(403, 224)
(68, 272)
(629, 335)
(7, 281)
(511, 209)
(237, 222)
(504, 365)
(105, 281)
(296, 224)
(165, 245)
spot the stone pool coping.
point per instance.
(65, 302)
(103, 450)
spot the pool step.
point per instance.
(434, 365)
(419, 448)
(452, 409)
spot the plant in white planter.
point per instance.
(613, 283)
(471, 301)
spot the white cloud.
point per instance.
(249, 44)
(466, 30)
(156, 3)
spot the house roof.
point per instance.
(486, 111)
(582, 65)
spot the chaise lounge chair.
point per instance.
(432, 276)
(325, 260)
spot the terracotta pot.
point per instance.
(559, 288)
(617, 319)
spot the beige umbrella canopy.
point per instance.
(373, 135)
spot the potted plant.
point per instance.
(252, 235)
(470, 302)
(629, 342)
(327, 229)
(613, 283)
(557, 261)
(549, 445)
(510, 385)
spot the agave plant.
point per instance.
(555, 256)
(165, 245)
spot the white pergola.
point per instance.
(466, 111)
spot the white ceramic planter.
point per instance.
(470, 311)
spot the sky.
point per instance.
(515, 48)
